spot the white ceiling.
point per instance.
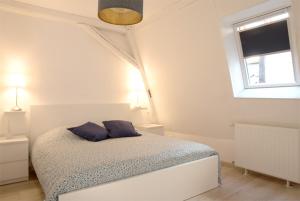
(88, 8)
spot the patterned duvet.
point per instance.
(64, 162)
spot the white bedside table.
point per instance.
(151, 128)
(13, 159)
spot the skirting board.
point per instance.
(176, 183)
(225, 147)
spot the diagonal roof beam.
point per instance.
(50, 14)
(140, 65)
(167, 10)
(106, 42)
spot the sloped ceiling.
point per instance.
(88, 8)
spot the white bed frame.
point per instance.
(176, 183)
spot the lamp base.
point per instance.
(16, 109)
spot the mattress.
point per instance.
(64, 162)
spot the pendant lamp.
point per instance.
(120, 12)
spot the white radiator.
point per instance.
(270, 150)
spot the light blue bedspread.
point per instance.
(63, 162)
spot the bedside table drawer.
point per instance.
(15, 171)
(10, 152)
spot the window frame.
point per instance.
(293, 50)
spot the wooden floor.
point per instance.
(235, 187)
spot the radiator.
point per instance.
(269, 150)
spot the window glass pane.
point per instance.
(270, 69)
(253, 74)
(279, 68)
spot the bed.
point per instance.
(146, 168)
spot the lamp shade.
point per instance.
(120, 12)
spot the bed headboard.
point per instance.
(46, 117)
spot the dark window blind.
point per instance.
(266, 39)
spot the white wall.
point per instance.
(185, 60)
(60, 63)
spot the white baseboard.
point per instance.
(225, 147)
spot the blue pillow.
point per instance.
(118, 128)
(90, 131)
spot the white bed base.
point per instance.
(176, 183)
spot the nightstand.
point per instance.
(151, 128)
(13, 159)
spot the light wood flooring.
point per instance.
(235, 187)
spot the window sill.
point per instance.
(272, 93)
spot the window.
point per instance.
(265, 49)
